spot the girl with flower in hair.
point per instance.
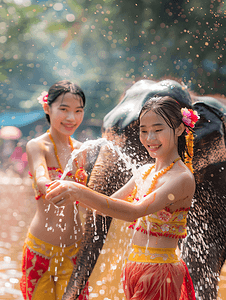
(54, 236)
(156, 201)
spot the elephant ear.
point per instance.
(204, 249)
(128, 110)
(212, 118)
(210, 133)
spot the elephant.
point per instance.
(109, 174)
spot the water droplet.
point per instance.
(168, 280)
(171, 197)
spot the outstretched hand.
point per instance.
(62, 192)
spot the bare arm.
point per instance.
(37, 164)
(179, 188)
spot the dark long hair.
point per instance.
(63, 87)
(170, 110)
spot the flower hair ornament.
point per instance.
(190, 117)
(43, 98)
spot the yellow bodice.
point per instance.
(163, 223)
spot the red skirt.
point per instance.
(144, 280)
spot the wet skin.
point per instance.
(66, 114)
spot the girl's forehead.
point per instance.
(150, 118)
(69, 98)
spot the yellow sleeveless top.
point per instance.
(163, 223)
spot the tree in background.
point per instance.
(106, 45)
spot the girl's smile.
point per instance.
(69, 126)
(153, 147)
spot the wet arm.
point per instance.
(37, 164)
(114, 207)
(110, 206)
(181, 187)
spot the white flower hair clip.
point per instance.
(43, 98)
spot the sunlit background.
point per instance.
(104, 46)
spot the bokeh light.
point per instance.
(105, 46)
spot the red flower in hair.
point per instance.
(190, 117)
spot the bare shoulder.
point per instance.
(38, 144)
(186, 179)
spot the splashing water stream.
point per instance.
(90, 145)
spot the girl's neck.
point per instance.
(162, 163)
(59, 137)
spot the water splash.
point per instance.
(92, 144)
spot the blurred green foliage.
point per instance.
(106, 45)
(16, 22)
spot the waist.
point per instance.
(153, 241)
(47, 249)
(153, 255)
(55, 229)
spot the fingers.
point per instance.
(61, 188)
(53, 184)
(54, 190)
(59, 200)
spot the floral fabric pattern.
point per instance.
(164, 223)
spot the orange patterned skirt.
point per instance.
(157, 274)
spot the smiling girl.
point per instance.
(158, 198)
(54, 236)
